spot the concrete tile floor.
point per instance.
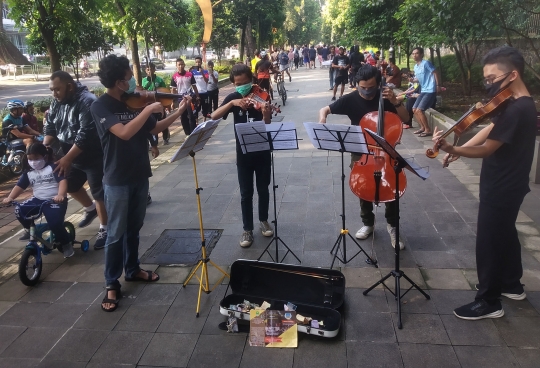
(59, 322)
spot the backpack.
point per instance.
(284, 59)
(296, 54)
(389, 71)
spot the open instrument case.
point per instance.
(316, 292)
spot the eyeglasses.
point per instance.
(489, 81)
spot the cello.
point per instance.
(373, 178)
(470, 119)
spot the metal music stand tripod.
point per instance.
(257, 136)
(340, 138)
(194, 143)
(399, 164)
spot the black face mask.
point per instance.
(494, 88)
(368, 93)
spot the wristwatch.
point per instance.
(399, 104)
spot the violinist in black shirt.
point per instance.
(507, 148)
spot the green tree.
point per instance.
(223, 35)
(373, 21)
(46, 19)
(303, 21)
(134, 19)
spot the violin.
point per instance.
(471, 119)
(258, 97)
(373, 179)
(141, 98)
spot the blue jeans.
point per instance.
(425, 101)
(126, 208)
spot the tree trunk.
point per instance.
(432, 55)
(249, 39)
(9, 53)
(407, 55)
(242, 44)
(459, 59)
(135, 58)
(54, 55)
(438, 52)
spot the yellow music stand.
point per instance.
(204, 284)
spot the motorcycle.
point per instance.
(13, 153)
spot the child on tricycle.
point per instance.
(50, 195)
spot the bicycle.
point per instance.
(31, 265)
(281, 88)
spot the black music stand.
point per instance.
(340, 138)
(399, 164)
(258, 136)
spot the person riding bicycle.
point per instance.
(284, 64)
(13, 126)
(28, 116)
(264, 67)
(50, 196)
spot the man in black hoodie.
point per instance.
(70, 121)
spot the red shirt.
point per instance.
(31, 121)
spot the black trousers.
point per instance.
(213, 97)
(368, 217)
(188, 120)
(204, 104)
(262, 181)
(498, 251)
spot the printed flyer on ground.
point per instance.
(273, 329)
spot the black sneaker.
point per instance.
(479, 309)
(25, 236)
(148, 199)
(333, 98)
(101, 239)
(88, 218)
(516, 294)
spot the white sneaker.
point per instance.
(266, 229)
(67, 249)
(247, 239)
(364, 232)
(392, 232)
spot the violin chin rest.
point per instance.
(431, 153)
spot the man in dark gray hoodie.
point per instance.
(69, 120)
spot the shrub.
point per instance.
(166, 78)
(223, 70)
(97, 90)
(452, 73)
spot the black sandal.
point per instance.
(106, 299)
(147, 279)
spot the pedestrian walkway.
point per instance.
(59, 322)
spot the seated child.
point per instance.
(47, 186)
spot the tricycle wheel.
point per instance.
(70, 229)
(85, 245)
(29, 267)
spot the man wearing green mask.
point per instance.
(257, 163)
(355, 105)
(126, 169)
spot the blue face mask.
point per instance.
(244, 89)
(132, 85)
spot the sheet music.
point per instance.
(326, 136)
(252, 136)
(197, 139)
(283, 136)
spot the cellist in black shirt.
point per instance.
(507, 148)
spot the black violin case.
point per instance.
(316, 292)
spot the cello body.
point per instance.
(362, 181)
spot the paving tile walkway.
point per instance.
(59, 323)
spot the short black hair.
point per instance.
(152, 65)
(509, 58)
(366, 72)
(198, 57)
(210, 63)
(420, 50)
(240, 69)
(112, 68)
(64, 77)
(179, 60)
